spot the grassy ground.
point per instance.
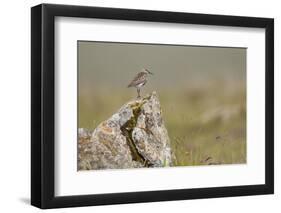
(206, 125)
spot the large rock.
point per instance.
(133, 137)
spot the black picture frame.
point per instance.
(43, 102)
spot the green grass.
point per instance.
(206, 125)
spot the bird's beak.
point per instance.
(149, 72)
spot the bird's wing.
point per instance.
(139, 78)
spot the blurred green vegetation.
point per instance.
(206, 123)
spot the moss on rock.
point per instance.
(128, 128)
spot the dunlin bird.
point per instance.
(140, 80)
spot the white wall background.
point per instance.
(15, 105)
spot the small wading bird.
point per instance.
(140, 80)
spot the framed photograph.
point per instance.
(139, 106)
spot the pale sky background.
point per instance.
(113, 65)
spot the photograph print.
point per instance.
(160, 105)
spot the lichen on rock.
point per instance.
(134, 137)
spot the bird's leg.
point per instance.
(138, 90)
